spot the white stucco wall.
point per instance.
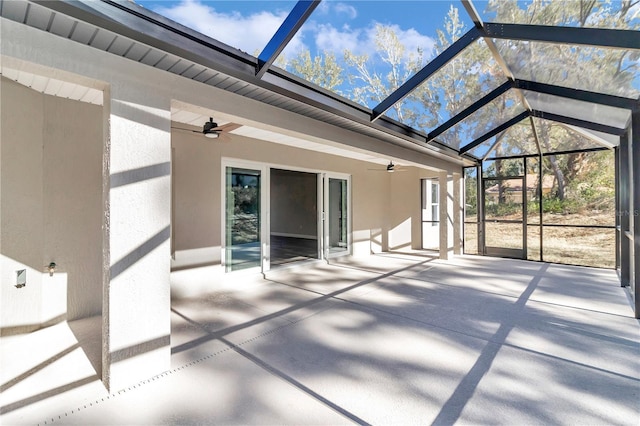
(22, 235)
(51, 207)
(136, 327)
(72, 214)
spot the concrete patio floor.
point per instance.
(389, 339)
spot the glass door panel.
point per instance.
(336, 216)
(242, 219)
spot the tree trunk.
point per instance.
(559, 176)
(501, 198)
(557, 172)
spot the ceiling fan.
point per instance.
(211, 130)
(391, 168)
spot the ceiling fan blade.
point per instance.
(187, 130)
(228, 127)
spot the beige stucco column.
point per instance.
(457, 209)
(137, 195)
(446, 214)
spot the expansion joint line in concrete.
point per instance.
(230, 347)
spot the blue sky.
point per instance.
(248, 25)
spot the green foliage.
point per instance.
(502, 209)
(368, 86)
(590, 183)
(557, 206)
(323, 70)
(533, 208)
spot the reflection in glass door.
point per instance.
(242, 219)
(336, 216)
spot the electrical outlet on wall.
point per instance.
(21, 278)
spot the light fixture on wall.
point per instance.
(210, 129)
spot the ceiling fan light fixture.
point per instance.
(209, 129)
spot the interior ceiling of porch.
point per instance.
(195, 116)
(485, 90)
(190, 117)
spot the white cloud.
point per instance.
(345, 9)
(412, 40)
(337, 8)
(248, 33)
(332, 39)
(251, 33)
(362, 41)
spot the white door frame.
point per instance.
(265, 210)
(326, 215)
(265, 219)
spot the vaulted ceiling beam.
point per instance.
(470, 110)
(601, 37)
(579, 123)
(501, 128)
(579, 95)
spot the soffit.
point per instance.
(188, 115)
(54, 87)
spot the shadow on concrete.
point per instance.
(19, 378)
(452, 409)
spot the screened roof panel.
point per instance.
(365, 50)
(608, 71)
(588, 111)
(614, 14)
(493, 114)
(464, 80)
(222, 20)
(555, 137)
(516, 141)
(481, 150)
(605, 139)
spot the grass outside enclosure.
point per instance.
(533, 242)
(470, 238)
(561, 244)
(503, 235)
(580, 246)
(567, 244)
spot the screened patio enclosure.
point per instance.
(543, 106)
(538, 100)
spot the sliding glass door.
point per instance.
(242, 219)
(336, 216)
(256, 214)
